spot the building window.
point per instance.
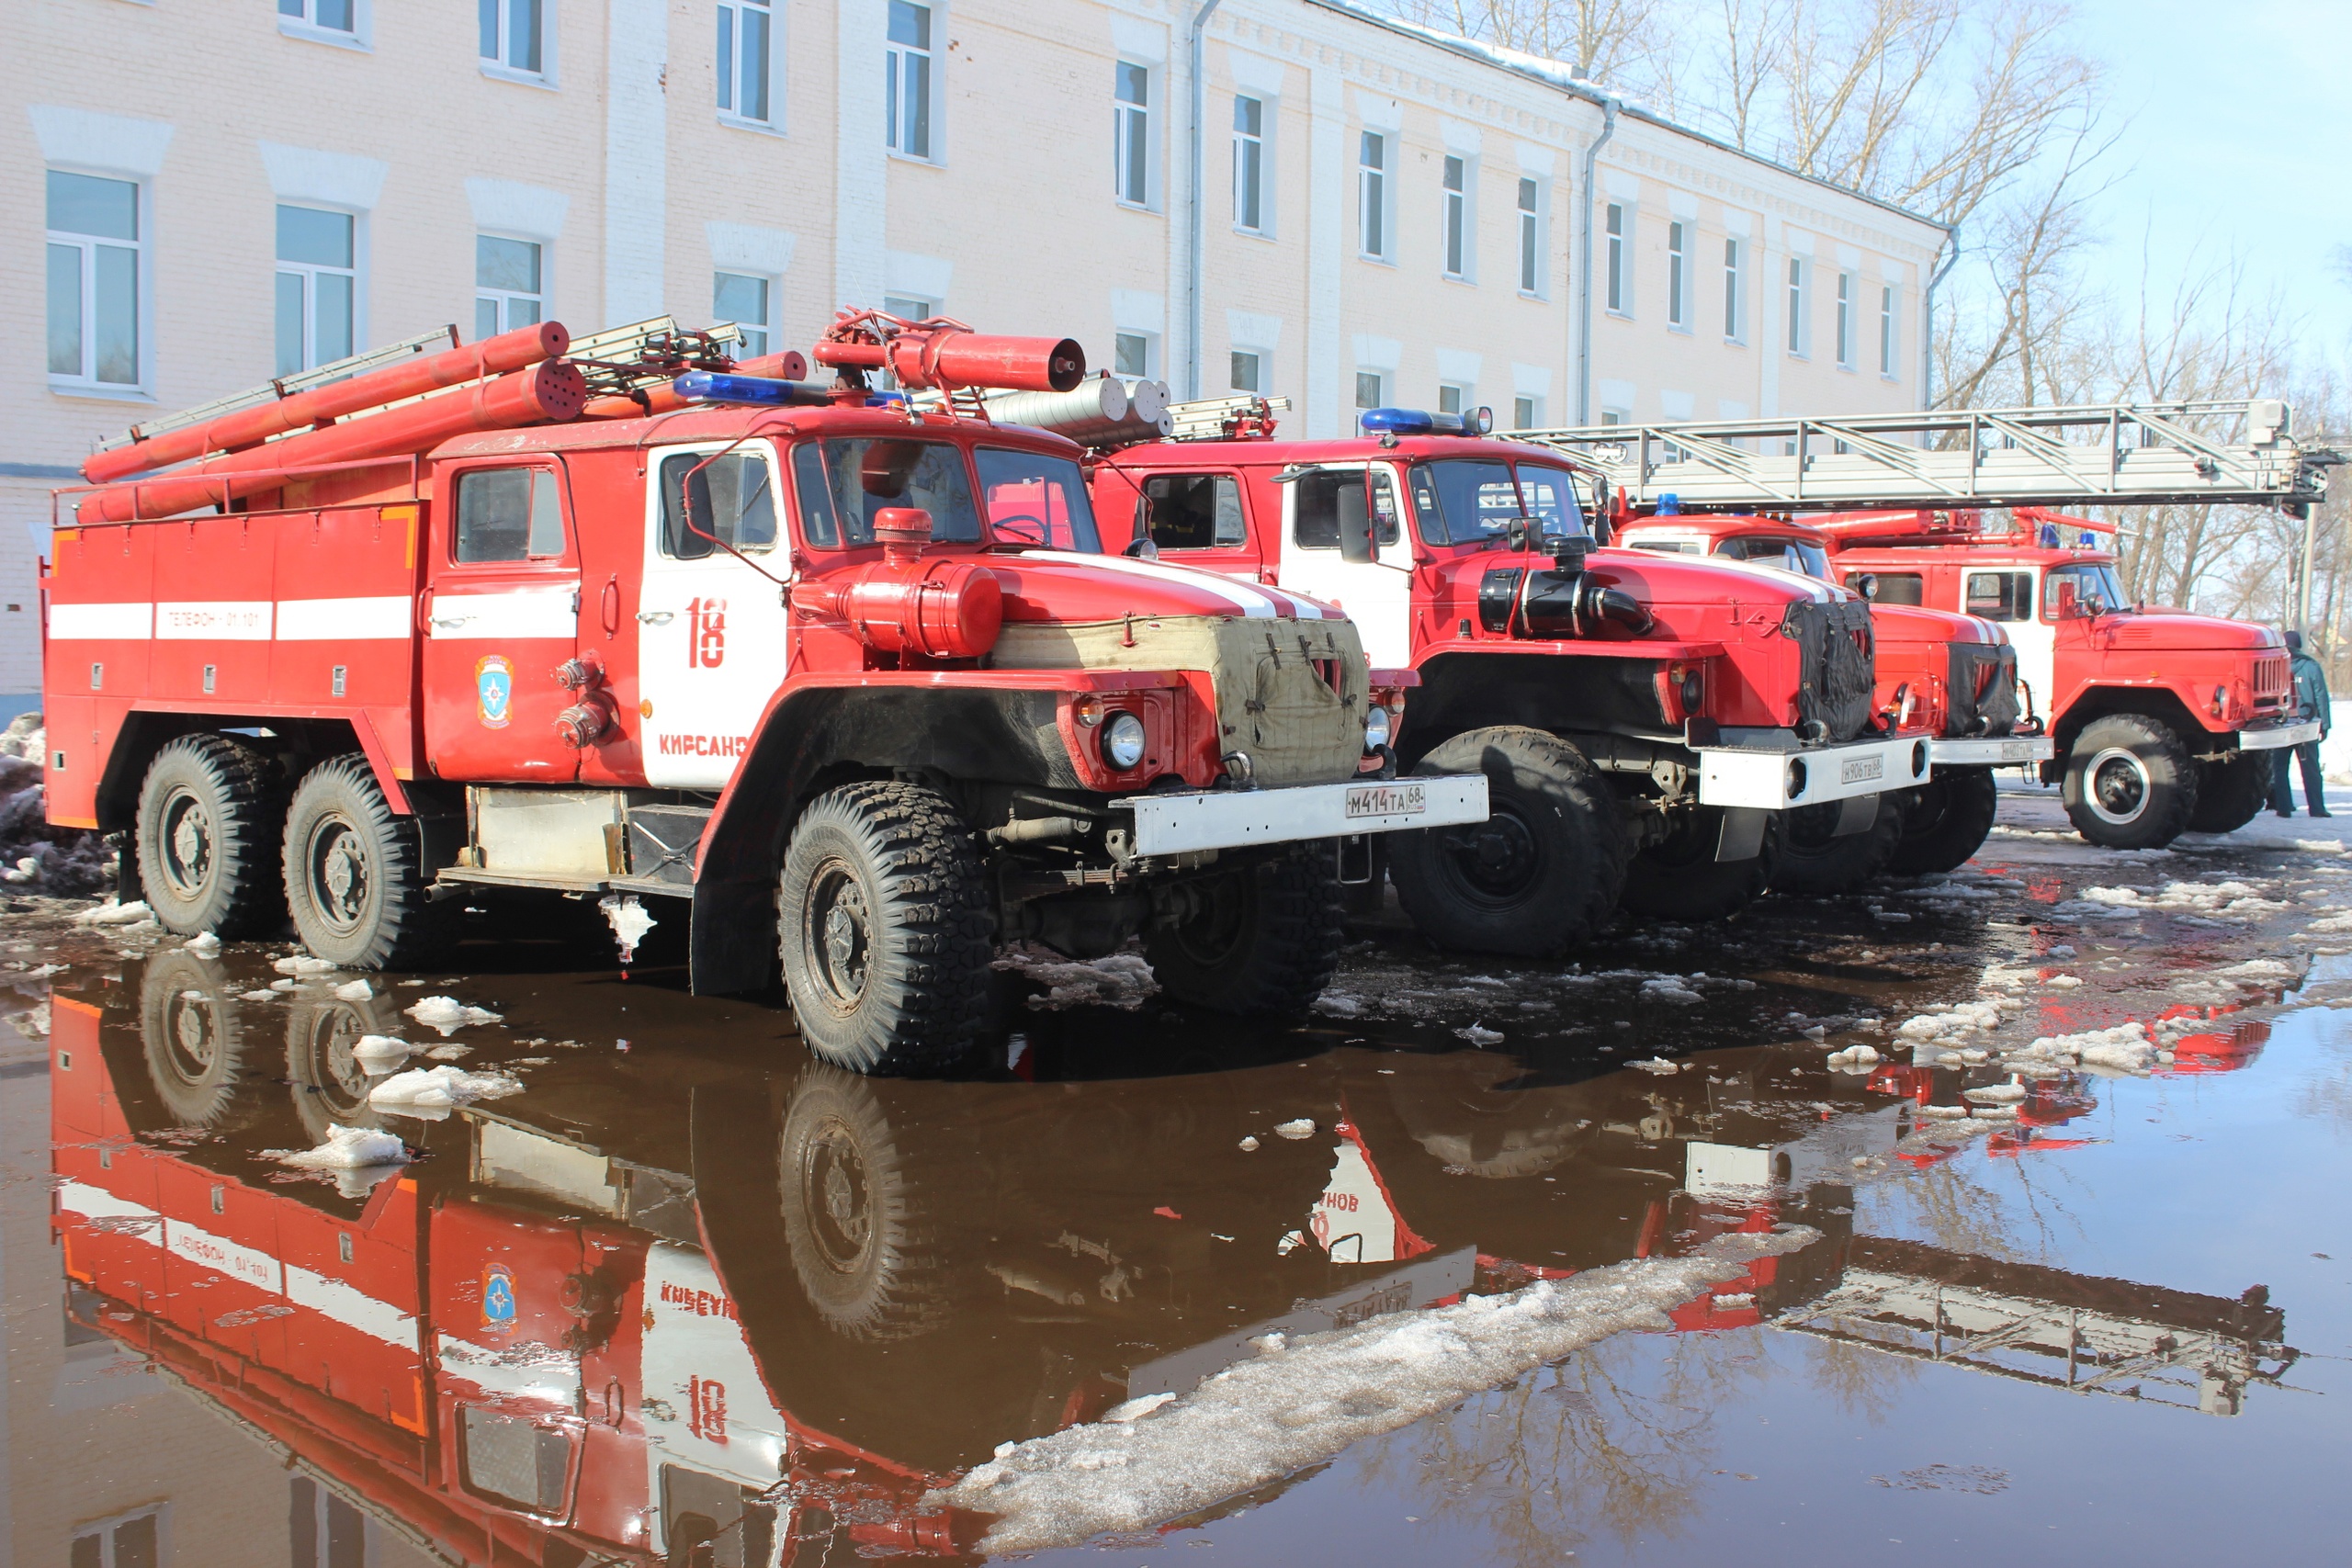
(1616, 291)
(1248, 371)
(509, 285)
(743, 300)
(1530, 238)
(133, 1543)
(1846, 320)
(1678, 275)
(1527, 413)
(745, 43)
(1135, 353)
(513, 34)
(909, 89)
(1733, 328)
(327, 16)
(907, 310)
(95, 272)
(1451, 398)
(1796, 305)
(1457, 217)
(1368, 388)
(1249, 165)
(1131, 133)
(1372, 198)
(1886, 329)
(1613, 416)
(327, 1532)
(317, 280)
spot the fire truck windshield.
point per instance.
(1466, 501)
(1034, 499)
(842, 484)
(1789, 555)
(2090, 585)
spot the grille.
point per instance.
(1839, 663)
(2272, 681)
(1983, 688)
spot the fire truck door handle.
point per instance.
(451, 620)
(608, 606)
(657, 617)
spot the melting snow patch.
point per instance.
(380, 1052)
(1302, 1401)
(1670, 989)
(1995, 1094)
(1659, 1065)
(303, 964)
(1122, 980)
(1856, 1058)
(357, 991)
(1338, 1004)
(349, 1149)
(204, 945)
(2124, 1048)
(1942, 1112)
(1301, 1128)
(628, 919)
(1967, 1018)
(437, 1088)
(1479, 1036)
(114, 915)
(448, 1015)
(2231, 900)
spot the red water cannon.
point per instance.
(941, 608)
(944, 354)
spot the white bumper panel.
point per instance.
(2282, 735)
(1777, 780)
(1992, 751)
(1232, 818)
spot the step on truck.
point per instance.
(841, 683)
(1646, 725)
(2155, 716)
(1953, 676)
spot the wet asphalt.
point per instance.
(2069, 1312)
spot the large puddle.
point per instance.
(1780, 1242)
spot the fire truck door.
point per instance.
(502, 616)
(2005, 594)
(1377, 593)
(711, 622)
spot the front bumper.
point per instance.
(2272, 737)
(1235, 819)
(1772, 777)
(1992, 751)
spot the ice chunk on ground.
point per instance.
(448, 1015)
(1659, 1065)
(1135, 1409)
(349, 1149)
(1859, 1058)
(1122, 980)
(628, 919)
(1301, 1128)
(448, 1052)
(1995, 1094)
(1478, 1035)
(1967, 1018)
(1670, 989)
(303, 964)
(204, 945)
(1248, 1145)
(2124, 1048)
(380, 1052)
(2228, 900)
(1942, 1112)
(114, 915)
(438, 1089)
(357, 991)
(1300, 1404)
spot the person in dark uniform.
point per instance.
(2311, 701)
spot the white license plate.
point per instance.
(1855, 770)
(2017, 750)
(1387, 800)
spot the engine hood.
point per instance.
(1054, 585)
(2180, 629)
(1908, 624)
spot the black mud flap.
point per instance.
(1743, 833)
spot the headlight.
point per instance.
(1123, 741)
(1376, 729)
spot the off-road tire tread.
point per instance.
(909, 1293)
(1847, 864)
(2231, 794)
(929, 872)
(1299, 924)
(1970, 802)
(249, 901)
(412, 931)
(2171, 817)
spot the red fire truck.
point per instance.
(2156, 716)
(845, 679)
(1646, 724)
(1954, 675)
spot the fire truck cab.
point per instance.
(2161, 718)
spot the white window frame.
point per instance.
(482, 292)
(1265, 358)
(1526, 411)
(1379, 388)
(908, 307)
(1890, 358)
(1532, 236)
(1617, 231)
(1800, 303)
(1678, 274)
(1845, 334)
(1734, 293)
(86, 384)
(1134, 181)
(1466, 396)
(1259, 142)
(1149, 342)
(1376, 197)
(309, 273)
(897, 58)
(727, 69)
(302, 23)
(768, 281)
(1457, 233)
(499, 65)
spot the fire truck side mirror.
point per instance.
(1353, 503)
(2067, 607)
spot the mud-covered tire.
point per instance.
(2130, 782)
(1679, 878)
(1261, 942)
(2230, 794)
(860, 1213)
(193, 1029)
(1816, 863)
(1946, 821)
(355, 880)
(206, 839)
(884, 926)
(1542, 874)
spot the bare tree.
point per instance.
(1623, 42)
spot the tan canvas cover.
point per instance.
(1271, 699)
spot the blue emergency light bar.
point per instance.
(719, 386)
(1423, 421)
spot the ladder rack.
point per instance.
(2238, 452)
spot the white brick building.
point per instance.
(1384, 216)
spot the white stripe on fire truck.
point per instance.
(339, 620)
(97, 1203)
(534, 1371)
(101, 623)
(214, 620)
(351, 1308)
(522, 613)
(1253, 604)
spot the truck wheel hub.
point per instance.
(2117, 786)
(187, 839)
(1497, 858)
(842, 924)
(339, 874)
